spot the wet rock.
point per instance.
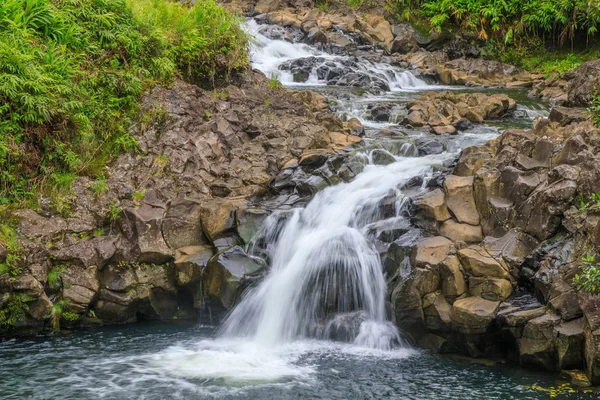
(249, 222)
(473, 315)
(570, 344)
(190, 266)
(226, 273)
(436, 311)
(345, 327)
(434, 343)
(444, 130)
(429, 146)
(538, 345)
(382, 157)
(355, 126)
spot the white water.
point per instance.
(323, 265)
(268, 54)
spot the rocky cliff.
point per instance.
(161, 237)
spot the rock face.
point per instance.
(163, 240)
(515, 240)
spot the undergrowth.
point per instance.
(72, 72)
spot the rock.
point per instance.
(570, 344)
(437, 312)
(266, 6)
(382, 157)
(434, 343)
(429, 146)
(142, 228)
(452, 278)
(80, 286)
(582, 88)
(182, 226)
(473, 315)
(404, 45)
(538, 345)
(345, 327)
(355, 126)
(461, 232)
(249, 222)
(460, 200)
(218, 218)
(190, 266)
(444, 130)
(429, 209)
(567, 115)
(226, 273)
(490, 288)
(432, 251)
(478, 262)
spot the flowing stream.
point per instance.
(325, 281)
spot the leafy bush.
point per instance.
(589, 280)
(9, 239)
(509, 21)
(72, 72)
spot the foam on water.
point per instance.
(268, 55)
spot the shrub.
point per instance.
(509, 21)
(589, 279)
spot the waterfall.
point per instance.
(324, 269)
(272, 57)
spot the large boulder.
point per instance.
(583, 87)
(538, 345)
(460, 200)
(432, 251)
(478, 262)
(473, 315)
(142, 228)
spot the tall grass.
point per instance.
(72, 72)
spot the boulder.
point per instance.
(473, 315)
(582, 88)
(460, 200)
(452, 278)
(490, 288)
(432, 251)
(142, 228)
(458, 232)
(538, 345)
(570, 344)
(429, 209)
(182, 226)
(476, 261)
(436, 311)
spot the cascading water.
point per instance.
(276, 58)
(324, 267)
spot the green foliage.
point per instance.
(59, 312)
(54, 276)
(13, 309)
(595, 109)
(9, 240)
(508, 21)
(591, 204)
(274, 81)
(589, 280)
(138, 196)
(72, 72)
(99, 185)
